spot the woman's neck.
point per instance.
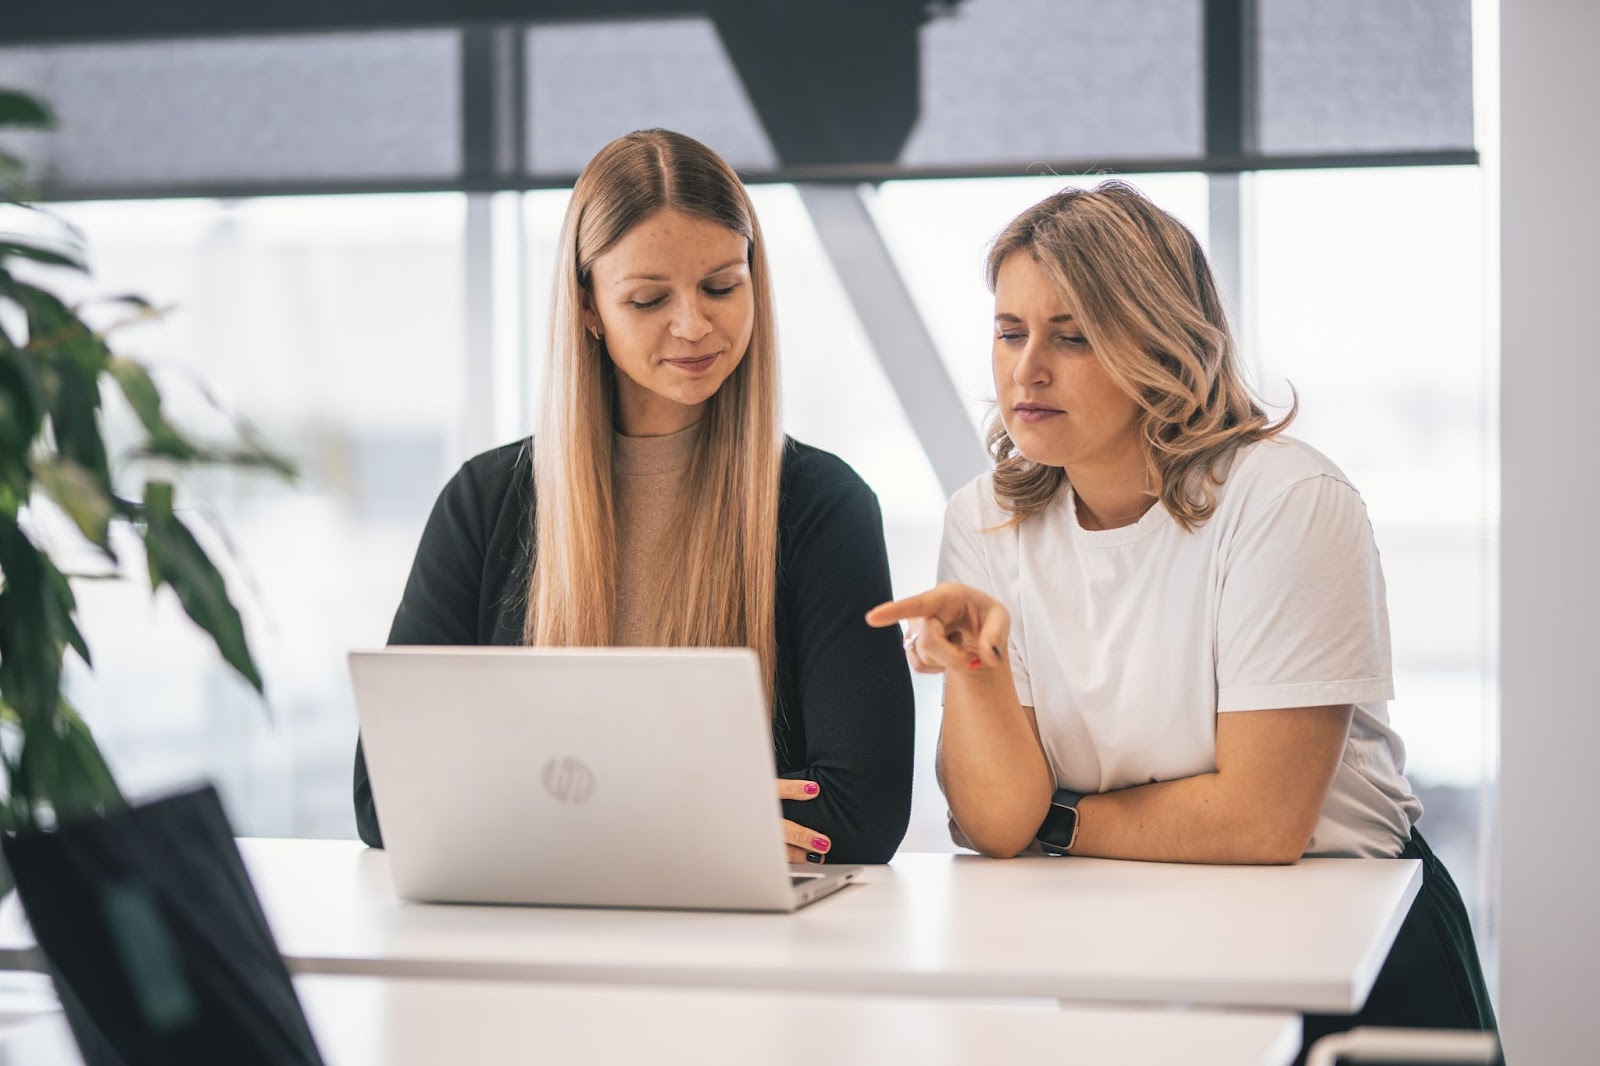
(1111, 496)
(641, 413)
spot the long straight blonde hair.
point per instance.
(1141, 289)
(722, 590)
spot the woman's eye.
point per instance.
(1012, 338)
(721, 292)
(645, 305)
(1073, 340)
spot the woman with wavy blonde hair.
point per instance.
(660, 504)
(1161, 621)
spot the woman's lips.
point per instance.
(696, 365)
(1031, 413)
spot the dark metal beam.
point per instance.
(492, 102)
(1230, 77)
(853, 174)
(833, 80)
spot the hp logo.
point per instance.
(568, 780)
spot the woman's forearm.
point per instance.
(991, 766)
(1261, 805)
(1196, 819)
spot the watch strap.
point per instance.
(1059, 830)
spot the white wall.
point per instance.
(1550, 534)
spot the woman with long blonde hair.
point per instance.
(1161, 621)
(660, 504)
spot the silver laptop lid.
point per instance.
(596, 777)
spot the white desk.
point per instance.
(1306, 938)
(364, 1021)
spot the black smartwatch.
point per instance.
(1059, 829)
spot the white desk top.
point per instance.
(363, 1021)
(1308, 937)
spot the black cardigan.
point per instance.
(844, 702)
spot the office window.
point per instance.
(1119, 80)
(142, 116)
(902, 87)
(1364, 76)
(1371, 297)
(670, 72)
(334, 325)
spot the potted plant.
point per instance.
(144, 913)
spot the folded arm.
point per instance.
(1260, 805)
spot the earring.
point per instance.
(596, 332)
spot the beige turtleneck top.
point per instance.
(649, 475)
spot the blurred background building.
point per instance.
(351, 208)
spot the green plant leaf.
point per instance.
(61, 766)
(75, 420)
(132, 299)
(13, 246)
(18, 109)
(53, 328)
(30, 652)
(65, 619)
(83, 498)
(87, 764)
(21, 418)
(176, 559)
(145, 399)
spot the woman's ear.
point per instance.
(591, 318)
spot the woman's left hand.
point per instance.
(800, 843)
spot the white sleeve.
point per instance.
(1301, 619)
(962, 559)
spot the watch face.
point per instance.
(1058, 826)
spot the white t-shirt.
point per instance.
(1129, 642)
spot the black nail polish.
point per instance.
(813, 856)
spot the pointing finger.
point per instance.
(918, 606)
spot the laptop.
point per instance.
(592, 777)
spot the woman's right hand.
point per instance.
(950, 628)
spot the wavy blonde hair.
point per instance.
(722, 591)
(1139, 286)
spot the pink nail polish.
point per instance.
(810, 789)
(974, 664)
(818, 844)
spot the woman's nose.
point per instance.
(689, 322)
(1029, 369)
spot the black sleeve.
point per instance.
(440, 603)
(852, 685)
